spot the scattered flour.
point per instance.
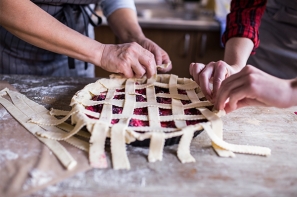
(4, 115)
(7, 155)
(38, 178)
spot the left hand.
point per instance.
(161, 56)
(215, 71)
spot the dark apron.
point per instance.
(20, 57)
(277, 53)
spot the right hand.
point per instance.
(252, 86)
(129, 59)
(214, 72)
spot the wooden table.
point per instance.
(244, 175)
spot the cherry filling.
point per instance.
(164, 100)
(144, 111)
(141, 91)
(161, 90)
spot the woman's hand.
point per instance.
(129, 59)
(252, 86)
(215, 73)
(161, 57)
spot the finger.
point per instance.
(165, 60)
(236, 95)
(220, 73)
(164, 67)
(204, 78)
(226, 90)
(241, 74)
(226, 108)
(244, 103)
(158, 55)
(127, 72)
(195, 69)
(147, 60)
(191, 68)
(228, 85)
(138, 70)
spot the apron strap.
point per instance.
(69, 17)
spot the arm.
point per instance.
(27, 21)
(241, 37)
(237, 52)
(252, 86)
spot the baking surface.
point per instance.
(210, 175)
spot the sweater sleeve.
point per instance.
(109, 6)
(244, 20)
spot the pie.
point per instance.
(162, 110)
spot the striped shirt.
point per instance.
(20, 57)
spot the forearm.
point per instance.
(124, 24)
(30, 23)
(237, 51)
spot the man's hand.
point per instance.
(161, 57)
(215, 73)
(252, 86)
(130, 59)
(124, 24)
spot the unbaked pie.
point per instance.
(162, 110)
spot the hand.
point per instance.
(161, 56)
(129, 59)
(252, 86)
(214, 72)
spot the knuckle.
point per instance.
(218, 80)
(210, 63)
(202, 75)
(251, 78)
(123, 65)
(150, 55)
(220, 64)
(249, 68)
(125, 55)
(129, 50)
(140, 74)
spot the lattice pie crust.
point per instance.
(180, 95)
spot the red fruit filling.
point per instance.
(161, 90)
(141, 91)
(140, 98)
(169, 124)
(138, 123)
(141, 111)
(120, 90)
(119, 96)
(164, 100)
(182, 91)
(165, 112)
(185, 102)
(144, 111)
(117, 110)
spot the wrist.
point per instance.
(237, 51)
(133, 37)
(96, 54)
(237, 67)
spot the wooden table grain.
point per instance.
(210, 175)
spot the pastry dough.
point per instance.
(100, 125)
(177, 95)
